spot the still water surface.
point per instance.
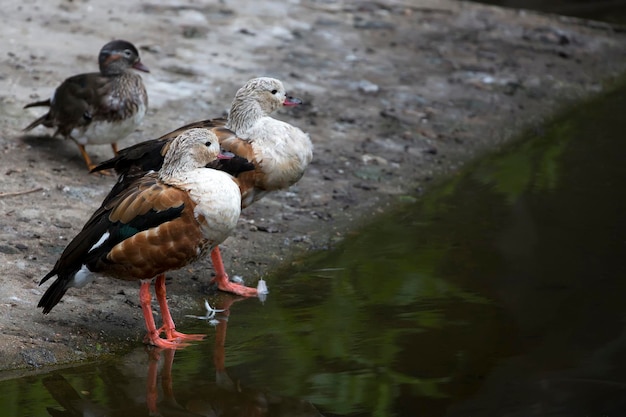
(499, 293)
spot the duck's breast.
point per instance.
(283, 152)
(218, 202)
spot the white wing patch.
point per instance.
(100, 241)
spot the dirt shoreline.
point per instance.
(397, 94)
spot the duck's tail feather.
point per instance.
(38, 104)
(53, 294)
(40, 121)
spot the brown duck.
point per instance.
(160, 222)
(101, 107)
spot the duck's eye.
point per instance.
(274, 91)
(207, 144)
(127, 53)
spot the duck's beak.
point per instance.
(225, 155)
(291, 101)
(140, 67)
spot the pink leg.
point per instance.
(153, 335)
(221, 278)
(168, 323)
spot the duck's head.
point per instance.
(194, 148)
(117, 56)
(268, 93)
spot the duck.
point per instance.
(279, 151)
(160, 222)
(100, 107)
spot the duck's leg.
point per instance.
(114, 147)
(221, 278)
(153, 334)
(168, 323)
(88, 162)
(83, 152)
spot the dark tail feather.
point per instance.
(42, 119)
(53, 294)
(39, 121)
(143, 156)
(38, 103)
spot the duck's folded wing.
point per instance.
(148, 155)
(140, 158)
(153, 231)
(75, 101)
(148, 213)
(231, 143)
(251, 182)
(203, 124)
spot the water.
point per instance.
(499, 293)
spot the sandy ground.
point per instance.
(398, 93)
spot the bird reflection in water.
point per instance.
(219, 398)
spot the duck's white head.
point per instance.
(259, 97)
(194, 148)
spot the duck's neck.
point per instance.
(178, 162)
(243, 115)
(172, 175)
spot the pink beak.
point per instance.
(225, 155)
(140, 67)
(291, 101)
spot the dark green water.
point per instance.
(500, 293)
